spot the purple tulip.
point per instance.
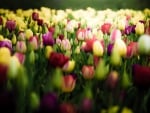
(11, 25)
(49, 103)
(48, 39)
(6, 43)
(129, 29)
(110, 48)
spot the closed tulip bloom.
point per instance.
(88, 71)
(33, 41)
(21, 46)
(11, 25)
(48, 39)
(6, 43)
(139, 29)
(115, 34)
(97, 48)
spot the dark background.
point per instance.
(75, 4)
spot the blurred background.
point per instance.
(75, 4)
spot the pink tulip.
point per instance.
(88, 71)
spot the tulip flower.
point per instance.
(69, 66)
(88, 71)
(48, 39)
(132, 49)
(68, 83)
(141, 76)
(21, 36)
(97, 48)
(139, 29)
(28, 33)
(143, 44)
(21, 46)
(110, 48)
(11, 25)
(20, 56)
(81, 34)
(58, 59)
(35, 16)
(112, 79)
(34, 101)
(106, 28)
(33, 42)
(48, 51)
(67, 108)
(115, 34)
(129, 29)
(6, 43)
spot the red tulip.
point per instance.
(68, 83)
(141, 75)
(58, 59)
(89, 45)
(35, 16)
(11, 25)
(88, 72)
(40, 22)
(106, 28)
(1, 20)
(67, 108)
(51, 29)
(132, 49)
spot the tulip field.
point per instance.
(74, 61)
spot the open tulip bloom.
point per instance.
(74, 61)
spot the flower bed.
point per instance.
(74, 61)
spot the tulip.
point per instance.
(115, 58)
(139, 29)
(65, 44)
(6, 43)
(11, 25)
(33, 42)
(81, 34)
(40, 22)
(129, 29)
(34, 101)
(132, 49)
(106, 28)
(110, 48)
(20, 56)
(120, 46)
(86, 105)
(101, 70)
(89, 45)
(143, 45)
(48, 51)
(35, 16)
(28, 33)
(51, 29)
(21, 36)
(14, 39)
(68, 83)
(126, 110)
(48, 39)
(67, 108)
(58, 59)
(49, 103)
(21, 46)
(141, 76)
(69, 66)
(121, 24)
(97, 48)
(88, 72)
(13, 67)
(115, 34)
(112, 79)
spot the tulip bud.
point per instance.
(115, 34)
(144, 44)
(14, 39)
(20, 56)
(48, 50)
(34, 101)
(115, 58)
(101, 70)
(57, 78)
(126, 110)
(21, 36)
(13, 67)
(67, 108)
(6, 43)
(28, 33)
(1, 38)
(69, 66)
(120, 46)
(97, 48)
(121, 24)
(4, 56)
(112, 79)
(139, 29)
(21, 46)
(68, 83)
(88, 72)
(11, 25)
(32, 57)
(106, 28)
(33, 42)
(125, 81)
